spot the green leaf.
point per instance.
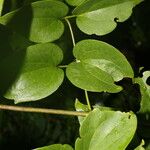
(145, 92)
(31, 1)
(32, 73)
(39, 21)
(81, 107)
(106, 130)
(148, 147)
(56, 147)
(1, 6)
(75, 2)
(14, 40)
(140, 147)
(97, 66)
(98, 16)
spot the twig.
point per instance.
(43, 110)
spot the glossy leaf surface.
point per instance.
(98, 66)
(32, 74)
(75, 2)
(99, 16)
(103, 130)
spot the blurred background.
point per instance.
(25, 131)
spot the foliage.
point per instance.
(55, 147)
(98, 17)
(145, 92)
(105, 128)
(36, 26)
(38, 61)
(97, 66)
(140, 147)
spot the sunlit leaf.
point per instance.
(75, 2)
(100, 16)
(81, 107)
(145, 92)
(106, 130)
(98, 66)
(140, 147)
(32, 73)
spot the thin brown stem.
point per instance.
(43, 110)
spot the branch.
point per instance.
(43, 110)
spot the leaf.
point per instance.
(103, 130)
(56, 147)
(31, 74)
(148, 147)
(39, 22)
(98, 16)
(145, 92)
(140, 147)
(75, 2)
(81, 107)
(98, 65)
(31, 1)
(1, 6)
(12, 39)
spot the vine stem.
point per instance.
(63, 66)
(72, 16)
(87, 100)
(71, 31)
(43, 110)
(73, 42)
